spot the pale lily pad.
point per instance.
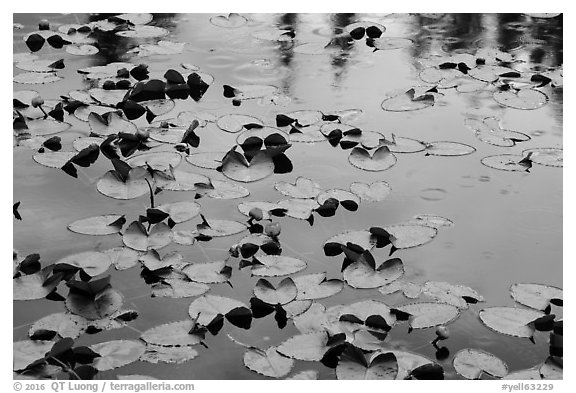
(431, 220)
(82, 113)
(53, 159)
(268, 362)
(236, 167)
(209, 272)
(102, 305)
(512, 321)
(135, 186)
(221, 189)
(138, 238)
(363, 274)
(527, 99)
(373, 192)
(178, 288)
(247, 92)
(46, 126)
(265, 207)
(161, 160)
(411, 100)
(82, 49)
(524, 375)
(456, 295)
(300, 209)
(173, 355)
(218, 228)
(122, 257)
(207, 307)
(273, 34)
(505, 162)
(37, 65)
(425, 315)
(143, 32)
(314, 319)
(232, 20)
(380, 160)
(407, 361)
(27, 351)
(277, 265)
(99, 225)
(164, 48)
(399, 144)
(316, 286)
(35, 78)
(181, 211)
(107, 97)
(32, 286)
(354, 365)
(284, 293)
(235, 122)
(363, 239)
(92, 263)
(301, 188)
(551, 370)
(85, 141)
(489, 130)
(339, 194)
(109, 70)
(408, 235)
(548, 156)
(180, 181)
(448, 149)
(296, 307)
(536, 296)
(63, 323)
(389, 43)
(171, 135)
(409, 289)
(365, 308)
(172, 334)
(153, 261)
(136, 18)
(309, 347)
(160, 106)
(208, 160)
(472, 363)
(117, 353)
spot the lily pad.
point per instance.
(456, 295)
(46, 126)
(102, 305)
(527, 99)
(309, 347)
(135, 185)
(390, 43)
(143, 32)
(268, 362)
(83, 142)
(316, 286)
(180, 181)
(380, 160)
(408, 235)
(448, 149)
(548, 156)
(409, 289)
(174, 355)
(208, 273)
(536, 296)
(53, 159)
(551, 370)
(517, 322)
(232, 20)
(488, 130)
(100, 225)
(425, 315)
(161, 160)
(117, 353)
(236, 167)
(208, 160)
(364, 274)
(181, 211)
(300, 209)
(63, 323)
(373, 192)
(83, 112)
(27, 351)
(39, 65)
(301, 188)
(505, 162)
(207, 307)
(35, 78)
(354, 365)
(399, 144)
(172, 334)
(411, 100)
(472, 363)
(33, 286)
(218, 228)
(524, 375)
(220, 189)
(122, 257)
(82, 50)
(153, 261)
(248, 92)
(92, 263)
(284, 293)
(265, 207)
(277, 265)
(431, 220)
(177, 288)
(138, 238)
(236, 122)
(364, 239)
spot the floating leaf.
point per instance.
(409, 235)
(236, 167)
(236, 122)
(92, 263)
(143, 32)
(548, 156)
(354, 365)
(551, 370)
(524, 375)
(283, 294)
(472, 363)
(390, 43)
(34, 286)
(102, 305)
(511, 321)
(46, 126)
(218, 228)
(373, 192)
(411, 100)
(505, 162)
(380, 160)
(456, 295)
(53, 159)
(161, 161)
(221, 189)
(309, 347)
(432, 221)
(301, 188)
(63, 323)
(425, 315)
(122, 257)
(247, 92)
(27, 351)
(180, 181)
(521, 99)
(157, 354)
(207, 307)
(208, 273)
(117, 353)
(537, 296)
(35, 78)
(488, 130)
(265, 207)
(300, 209)
(138, 238)
(100, 225)
(208, 160)
(181, 211)
(277, 265)
(363, 239)
(316, 286)
(82, 50)
(232, 20)
(40, 65)
(449, 149)
(172, 334)
(178, 288)
(363, 274)
(269, 363)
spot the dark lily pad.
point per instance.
(527, 99)
(448, 149)
(63, 323)
(373, 192)
(455, 295)
(536, 296)
(138, 238)
(232, 20)
(268, 362)
(277, 265)
(104, 304)
(143, 32)
(340, 195)
(236, 122)
(472, 363)
(364, 239)
(512, 321)
(35, 78)
(548, 156)
(261, 133)
(83, 112)
(117, 353)
(425, 315)
(208, 273)
(100, 225)
(208, 307)
(316, 286)
(207, 160)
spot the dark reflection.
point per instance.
(463, 30)
(511, 28)
(287, 22)
(340, 59)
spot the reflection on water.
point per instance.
(502, 233)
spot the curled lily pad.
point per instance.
(425, 315)
(354, 365)
(208, 160)
(28, 351)
(277, 265)
(408, 235)
(411, 100)
(449, 149)
(92, 263)
(236, 122)
(536, 296)
(548, 156)
(122, 257)
(117, 353)
(390, 43)
(456, 295)
(143, 32)
(472, 363)
(310, 346)
(301, 188)
(208, 307)
(99, 225)
(82, 49)
(160, 161)
(181, 211)
(268, 362)
(373, 192)
(138, 238)
(46, 126)
(284, 293)
(35, 78)
(53, 159)
(231, 20)
(172, 334)
(236, 167)
(218, 228)
(521, 99)
(33, 286)
(63, 323)
(209, 272)
(505, 162)
(364, 274)
(316, 286)
(135, 185)
(512, 321)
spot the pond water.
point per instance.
(507, 224)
